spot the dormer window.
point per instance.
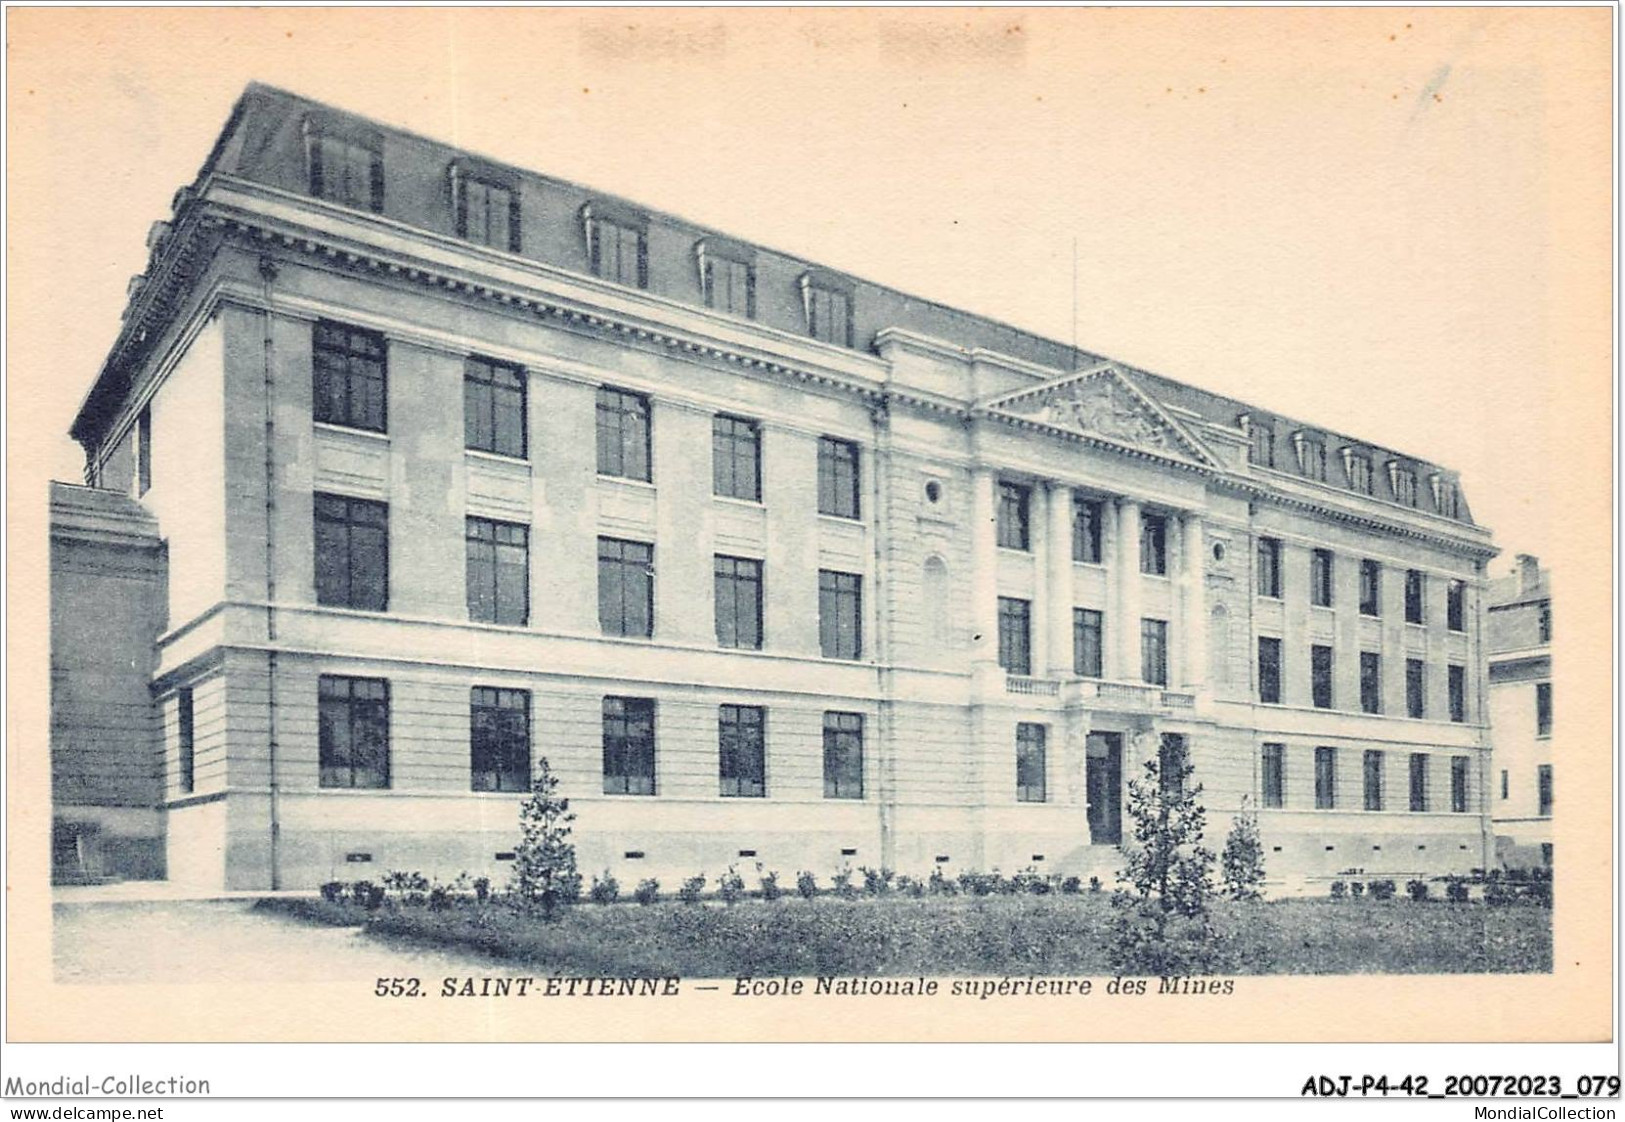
(345, 164)
(1311, 452)
(1357, 466)
(727, 277)
(1446, 498)
(1260, 440)
(486, 202)
(1403, 482)
(617, 244)
(828, 306)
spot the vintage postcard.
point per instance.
(810, 525)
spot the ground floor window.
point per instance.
(499, 739)
(742, 750)
(1325, 778)
(353, 731)
(1030, 763)
(1458, 783)
(1274, 775)
(843, 755)
(629, 746)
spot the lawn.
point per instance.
(1040, 935)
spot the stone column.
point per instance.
(1038, 540)
(1193, 603)
(1058, 576)
(984, 570)
(1127, 605)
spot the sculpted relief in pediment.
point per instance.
(1100, 406)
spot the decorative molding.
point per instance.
(1103, 403)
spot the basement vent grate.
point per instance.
(747, 853)
(1038, 857)
(942, 858)
(506, 856)
(849, 853)
(358, 858)
(633, 855)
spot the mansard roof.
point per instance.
(265, 140)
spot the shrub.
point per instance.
(1340, 889)
(1094, 884)
(647, 891)
(939, 885)
(412, 889)
(1357, 888)
(1455, 890)
(877, 882)
(544, 869)
(1417, 890)
(605, 889)
(843, 886)
(367, 894)
(771, 889)
(806, 884)
(333, 891)
(1382, 889)
(730, 886)
(1005, 886)
(911, 886)
(693, 888)
(482, 889)
(440, 898)
(1072, 886)
(1162, 925)
(1243, 859)
(1031, 881)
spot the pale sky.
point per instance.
(1357, 218)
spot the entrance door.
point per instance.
(1103, 778)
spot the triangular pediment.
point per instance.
(1103, 403)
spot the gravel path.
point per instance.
(216, 941)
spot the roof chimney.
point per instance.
(1528, 573)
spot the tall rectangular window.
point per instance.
(1320, 578)
(626, 587)
(487, 212)
(1088, 642)
(730, 286)
(1015, 635)
(840, 614)
(618, 251)
(1543, 787)
(623, 434)
(345, 170)
(499, 739)
(1261, 450)
(353, 731)
(1458, 693)
(1404, 483)
(1273, 768)
(843, 755)
(494, 407)
(186, 738)
(1459, 766)
(1419, 781)
(1269, 670)
(1456, 606)
(738, 584)
(498, 568)
(1373, 779)
(1154, 651)
(837, 477)
(1312, 458)
(1543, 709)
(1416, 692)
(1544, 622)
(1153, 544)
(1370, 587)
(1320, 676)
(1086, 519)
(1030, 763)
(1269, 568)
(736, 458)
(1325, 778)
(143, 451)
(1171, 761)
(1505, 785)
(1370, 682)
(1359, 472)
(629, 746)
(742, 751)
(829, 314)
(352, 553)
(350, 377)
(1415, 602)
(1015, 503)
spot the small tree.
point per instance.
(544, 869)
(1243, 858)
(1162, 925)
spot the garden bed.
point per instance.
(1057, 934)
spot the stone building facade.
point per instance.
(1519, 641)
(450, 466)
